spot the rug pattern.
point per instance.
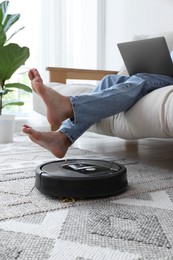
(137, 224)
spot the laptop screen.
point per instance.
(147, 56)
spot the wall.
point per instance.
(125, 18)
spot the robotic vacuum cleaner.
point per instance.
(81, 178)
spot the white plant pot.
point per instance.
(6, 128)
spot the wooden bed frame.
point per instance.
(61, 75)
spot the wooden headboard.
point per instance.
(61, 75)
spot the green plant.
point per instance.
(12, 56)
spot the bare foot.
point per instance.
(58, 106)
(56, 142)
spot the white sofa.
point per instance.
(150, 117)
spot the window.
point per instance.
(66, 33)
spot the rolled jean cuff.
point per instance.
(69, 123)
(68, 136)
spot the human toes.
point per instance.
(27, 129)
(37, 75)
(31, 74)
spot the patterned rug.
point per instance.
(137, 224)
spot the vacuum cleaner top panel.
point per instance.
(80, 168)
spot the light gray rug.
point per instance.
(137, 224)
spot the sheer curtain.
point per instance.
(65, 33)
(72, 33)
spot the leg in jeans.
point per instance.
(77, 113)
(112, 96)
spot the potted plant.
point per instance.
(12, 57)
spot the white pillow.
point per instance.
(168, 36)
(145, 119)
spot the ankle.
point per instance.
(66, 141)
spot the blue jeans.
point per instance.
(113, 95)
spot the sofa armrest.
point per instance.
(61, 75)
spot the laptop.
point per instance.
(147, 56)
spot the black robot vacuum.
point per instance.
(81, 178)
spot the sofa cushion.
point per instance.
(151, 116)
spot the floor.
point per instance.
(155, 152)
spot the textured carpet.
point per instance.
(137, 224)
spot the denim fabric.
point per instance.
(113, 95)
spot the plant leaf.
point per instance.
(15, 33)
(12, 56)
(3, 37)
(3, 10)
(13, 104)
(18, 86)
(10, 20)
(4, 92)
